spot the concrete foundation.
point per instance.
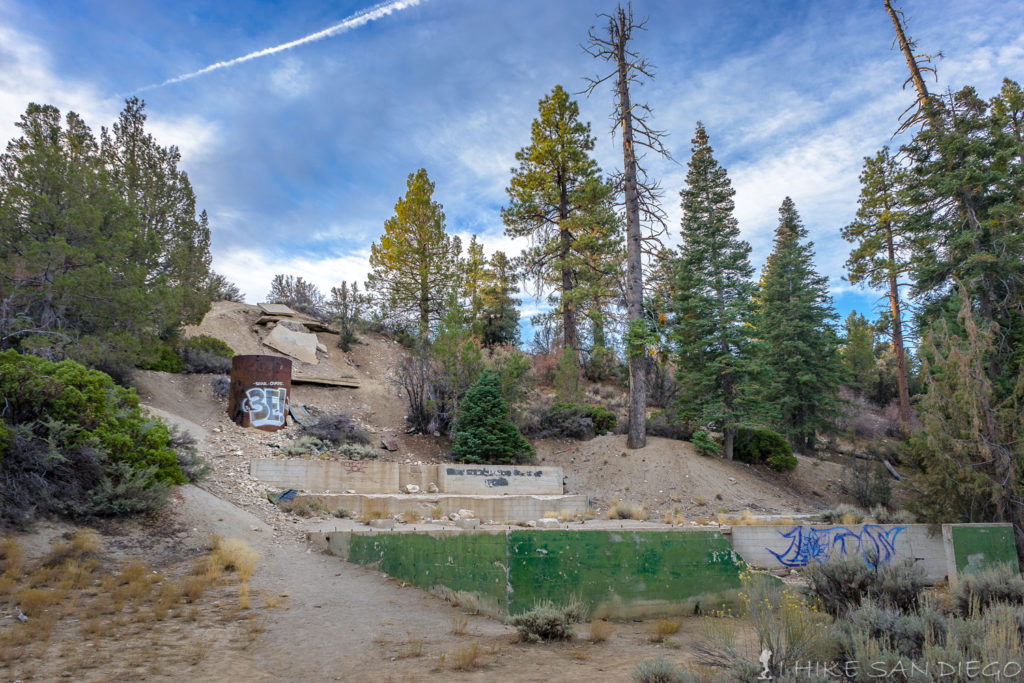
(624, 573)
(490, 507)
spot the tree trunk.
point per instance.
(728, 440)
(569, 336)
(637, 437)
(897, 335)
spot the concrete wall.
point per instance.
(369, 476)
(500, 479)
(617, 573)
(775, 547)
(361, 476)
(494, 508)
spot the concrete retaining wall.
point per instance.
(494, 508)
(500, 479)
(775, 547)
(369, 476)
(617, 573)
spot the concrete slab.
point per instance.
(361, 476)
(277, 309)
(298, 345)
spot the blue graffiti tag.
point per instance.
(875, 543)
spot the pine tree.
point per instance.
(883, 239)
(498, 322)
(713, 300)
(483, 431)
(558, 199)
(969, 449)
(414, 263)
(858, 354)
(473, 271)
(175, 238)
(345, 309)
(794, 326)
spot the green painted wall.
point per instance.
(474, 563)
(611, 570)
(617, 573)
(978, 547)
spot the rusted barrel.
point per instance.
(261, 388)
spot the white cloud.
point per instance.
(289, 81)
(252, 269)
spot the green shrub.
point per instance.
(337, 429)
(162, 359)
(755, 445)
(79, 443)
(660, 670)
(547, 621)
(704, 444)
(976, 591)
(205, 354)
(6, 436)
(208, 344)
(868, 483)
(604, 419)
(839, 583)
(842, 514)
(483, 429)
(575, 421)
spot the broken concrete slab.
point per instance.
(277, 309)
(301, 377)
(294, 326)
(298, 345)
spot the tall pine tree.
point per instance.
(794, 326)
(883, 244)
(414, 263)
(713, 300)
(558, 199)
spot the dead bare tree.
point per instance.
(640, 194)
(917, 63)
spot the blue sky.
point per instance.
(299, 156)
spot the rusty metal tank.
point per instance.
(260, 393)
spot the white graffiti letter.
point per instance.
(266, 406)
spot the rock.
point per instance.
(432, 488)
(455, 516)
(732, 478)
(466, 513)
(411, 488)
(382, 524)
(468, 523)
(530, 524)
(547, 523)
(349, 491)
(322, 348)
(389, 444)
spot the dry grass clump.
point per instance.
(674, 516)
(599, 631)
(620, 510)
(411, 517)
(465, 658)
(235, 555)
(459, 625)
(663, 629)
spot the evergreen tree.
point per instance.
(713, 300)
(414, 262)
(473, 271)
(174, 239)
(345, 309)
(483, 431)
(794, 326)
(858, 354)
(498, 322)
(73, 269)
(883, 247)
(969, 449)
(558, 199)
(219, 288)
(969, 193)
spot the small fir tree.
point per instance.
(484, 431)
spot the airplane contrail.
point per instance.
(355, 21)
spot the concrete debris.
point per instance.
(390, 445)
(466, 514)
(547, 523)
(277, 309)
(432, 488)
(468, 523)
(411, 488)
(532, 524)
(298, 345)
(294, 326)
(454, 516)
(322, 348)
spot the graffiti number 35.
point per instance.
(265, 406)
